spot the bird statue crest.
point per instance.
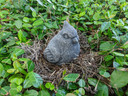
(64, 46)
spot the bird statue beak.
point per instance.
(75, 40)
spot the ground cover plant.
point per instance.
(26, 26)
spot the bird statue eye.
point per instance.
(65, 36)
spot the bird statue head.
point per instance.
(69, 32)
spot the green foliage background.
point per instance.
(105, 23)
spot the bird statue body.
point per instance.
(64, 46)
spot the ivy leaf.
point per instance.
(35, 79)
(5, 35)
(8, 61)
(108, 57)
(1, 81)
(38, 22)
(104, 73)
(26, 19)
(17, 80)
(49, 86)
(103, 91)
(18, 24)
(102, 88)
(19, 88)
(17, 52)
(27, 25)
(106, 46)
(34, 13)
(31, 66)
(105, 26)
(30, 93)
(96, 16)
(27, 83)
(81, 83)
(11, 70)
(40, 2)
(4, 90)
(1, 69)
(81, 91)
(70, 94)
(72, 85)
(21, 36)
(119, 79)
(44, 93)
(71, 77)
(125, 46)
(82, 14)
(118, 54)
(10, 43)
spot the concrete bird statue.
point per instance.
(64, 46)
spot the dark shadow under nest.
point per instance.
(86, 64)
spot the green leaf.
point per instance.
(27, 25)
(106, 46)
(31, 66)
(4, 90)
(17, 52)
(13, 92)
(102, 88)
(27, 83)
(18, 24)
(125, 46)
(119, 79)
(30, 93)
(21, 36)
(22, 70)
(71, 77)
(26, 19)
(103, 91)
(10, 43)
(11, 70)
(61, 92)
(108, 57)
(44, 93)
(82, 14)
(19, 88)
(33, 13)
(115, 64)
(126, 27)
(17, 80)
(16, 64)
(40, 2)
(49, 25)
(105, 26)
(1, 69)
(96, 16)
(92, 81)
(70, 94)
(8, 61)
(118, 54)
(64, 72)
(81, 83)
(49, 86)
(72, 85)
(104, 73)
(38, 22)
(81, 91)
(1, 81)
(4, 35)
(35, 79)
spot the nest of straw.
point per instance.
(86, 64)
